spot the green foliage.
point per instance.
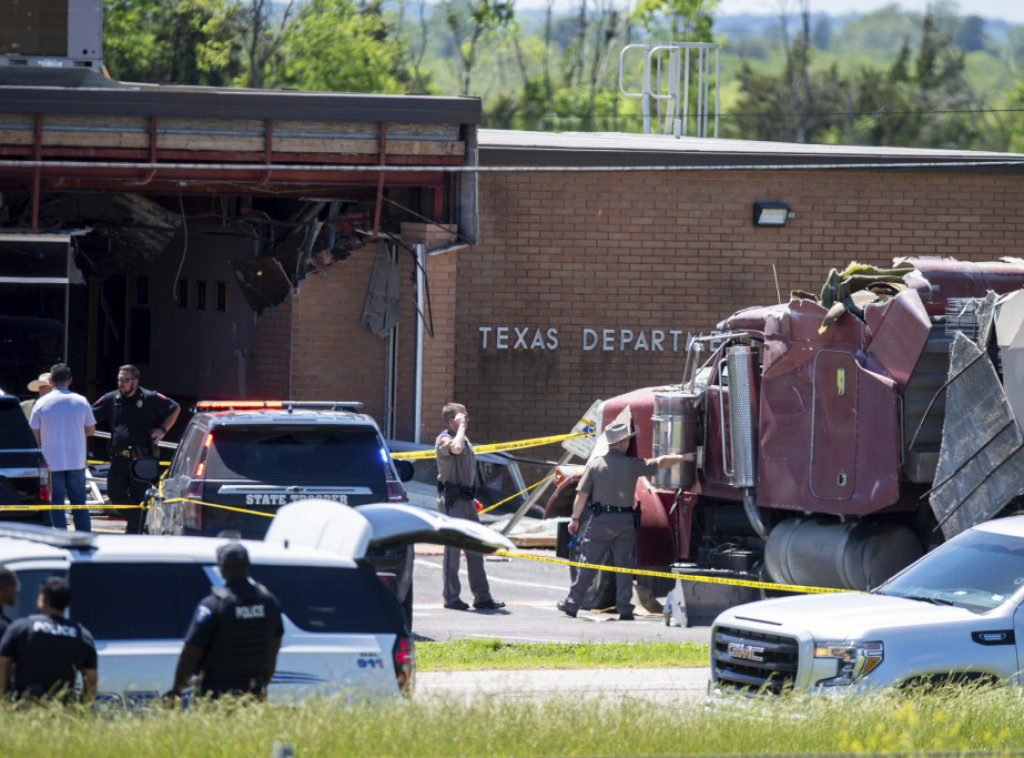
(324, 45)
(473, 654)
(471, 24)
(680, 20)
(178, 41)
(336, 46)
(921, 98)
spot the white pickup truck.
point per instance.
(955, 614)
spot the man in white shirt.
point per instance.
(61, 420)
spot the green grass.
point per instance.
(947, 721)
(474, 654)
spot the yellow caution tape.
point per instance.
(496, 447)
(543, 559)
(103, 463)
(218, 505)
(684, 577)
(521, 492)
(614, 569)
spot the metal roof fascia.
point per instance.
(287, 105)
(545, 156)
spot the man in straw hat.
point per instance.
(608, 486)
(40, 386)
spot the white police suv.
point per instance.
(344, 633)
(957, 614)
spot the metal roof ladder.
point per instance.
(665, 80)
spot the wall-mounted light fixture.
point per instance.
(770, 214)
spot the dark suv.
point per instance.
(24, 475)
(238, 462)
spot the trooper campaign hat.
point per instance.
(617, 433)
(42, 381)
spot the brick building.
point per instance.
(585, 281)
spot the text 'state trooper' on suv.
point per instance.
(239, 461)
(24, 475)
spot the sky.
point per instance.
(1008, 10)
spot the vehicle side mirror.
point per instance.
(404, 468)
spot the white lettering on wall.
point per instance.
(607, 340)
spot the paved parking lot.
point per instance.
(530, 590)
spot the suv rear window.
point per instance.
(307, 454)
(15, 433)
(333, 599)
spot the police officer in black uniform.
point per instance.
(46, 651)
(8, 595)
(139, 419)
(235, 634)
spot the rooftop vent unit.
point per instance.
(52, 34)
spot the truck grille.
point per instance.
(753, 660)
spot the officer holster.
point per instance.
(452, 491)
(134, 452)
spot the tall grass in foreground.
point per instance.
(947, 720)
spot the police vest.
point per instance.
(242, 645)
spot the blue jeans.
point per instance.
(71, 483)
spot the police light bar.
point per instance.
(260, 405)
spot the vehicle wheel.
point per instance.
(407, 608)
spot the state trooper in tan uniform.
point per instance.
(608, 488)
(456, 486)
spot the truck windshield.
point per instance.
(977, 571)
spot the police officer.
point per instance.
(608, 485)
(139, 418)
(235, 634)
(46, 651)
(456, 485)
(8, 595)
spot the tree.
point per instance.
(682, 20)
(470, 23)
(262, 38)
(181, 41)
(334, 45)
(970, 36)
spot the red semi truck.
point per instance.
(839, 435)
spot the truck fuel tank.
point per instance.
(675, 433)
